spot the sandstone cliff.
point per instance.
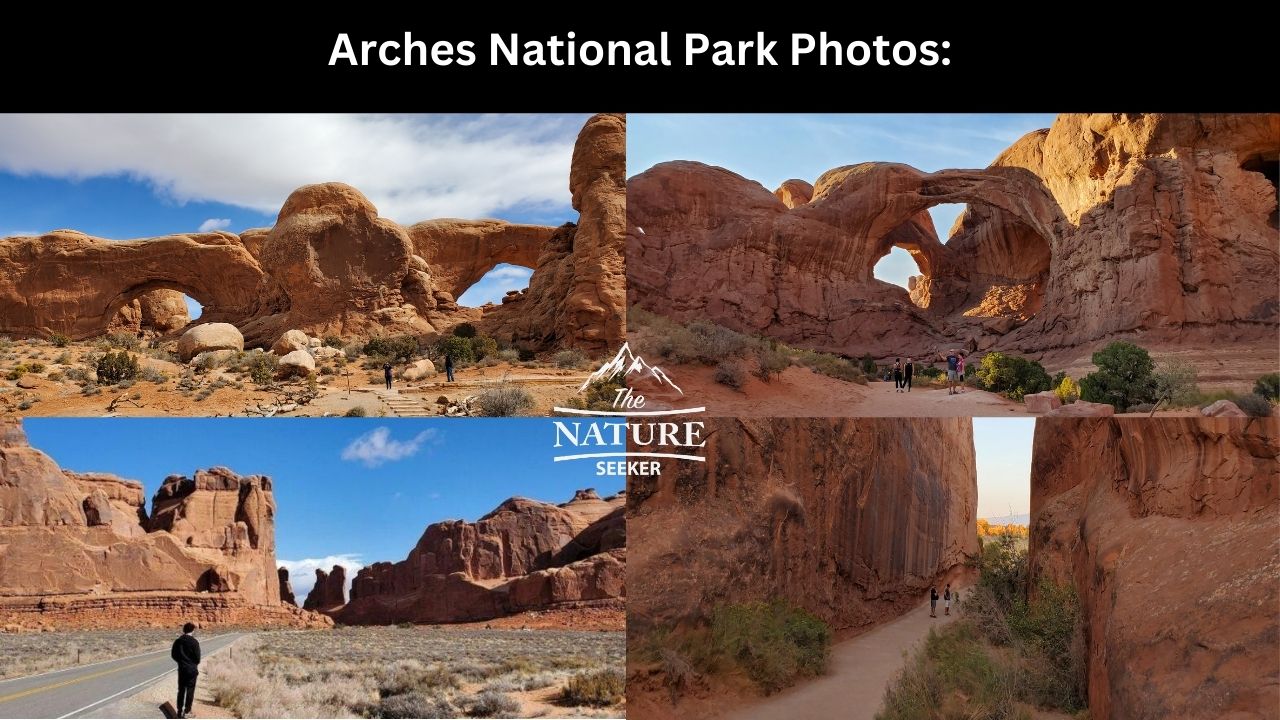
(331, 266)
(1167, 529)
(330, 591)
(851, 520)
(80, 550)
(525, 555)
(1157, 227)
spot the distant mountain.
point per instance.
(628, 363)
(1009, 520)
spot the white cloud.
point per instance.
(513, 272)
(377, 447)
(302, 573)
(215, 224)
(412, 167)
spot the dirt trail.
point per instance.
(860, 670)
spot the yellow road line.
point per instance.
(64, 683)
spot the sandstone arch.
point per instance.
(460, 252)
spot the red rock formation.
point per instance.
(330, 591)
(794, 193)
(286, 587)
(851, 520)
(331, 266)
(78, 542)
(524, 555)
(1159, 227)
(161, 311)
(1167, 529)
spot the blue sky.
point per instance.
(354, 490)
(129, 176)
(1003, 447)
(774, 148)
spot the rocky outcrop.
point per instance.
(160, 311)
(1166, 528)
(524, 555)
(330, 591)
(74, 542)
(331, 266)
(286, 587)
(852, 520)
(794, 193)
(1157, 227)
(210, 337)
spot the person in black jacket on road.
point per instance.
(186, 652)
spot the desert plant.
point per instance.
(417, 705)
(459, 348)
(1067, 390)
(115, 366)
(1174, 381)
(59, 340)
(598, 689)
(1268, 386)
(205, 363)
(464, 330)
(124, 340)
(332, 341)
(868, 365)
(356, 411)
(510, 355)
(262, 367)
(774, 642)
(1011, 375)
(1254, 405)
(504, 401)
(1123, 378)
(525, 354)
(770, 362)
(599, 395)
(489, 704)
(483, 346)
(729, 373)
(568, 359)
(399, 347)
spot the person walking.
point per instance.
(186, 652)
(933, 602)
(946, 597)
(953, 362)
(897, 375)
(907, 371)
(448, 366)
(960, 372)
(386, 373)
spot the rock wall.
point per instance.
(1159, 227)
(330, 590)
(286, 587)
(331, 266)
(524, 555)
(852, 520)
(74, 541)
(1167, 529)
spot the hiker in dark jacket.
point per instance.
(386, 373)
(448, 366)
(186, 652)
(933, 602)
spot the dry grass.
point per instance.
(419, 672)
(30, 653)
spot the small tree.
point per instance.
(464, 330)
(1011, 375)
(868, 365)
(1123, 378)
(114, 367)
(1268, 386)
(1067, 390)
(459, 348)
(482, 347)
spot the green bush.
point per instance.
(458, 348)
(332, 341)
(1124, 377)
(525, 355)
(830, 365)
(356, 411)
(729, 374)
(1268, 386)
(400, 348)
(868, 365)
(597, 689)
(568, 359)
(599, 395)
(1176, 382)
(115, 366)
(1254, 405)
(464, 330)
(774, 642)
(770, 362)
(125, 340)
(929, 372)
(952, 676)
(483, 347)
(1011, 375)
(262, 367)
(59, 340)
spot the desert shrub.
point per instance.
(525, 354)
(702, 342)
(1174, 380)
(599, 395)
(1067, 390)
(399, 347)
(1268, 386)
(416, 705)
(952, 668)
(729, 373)
(262, 367)
(459, 348)
(17, 371)
(1011, 375)
(1124, 377)
(504, 401)
(77, 374)
(770, 362)
(59, 340)
(597, 689)
(483, 346)
(115, 366)
(774, 642)
(356, 411)
(928, 372)
(568, 359)
(35, 367)
(830, 365)
(510, 355)
(205, 363)
(125, 340)
(489, 704)
(332, 341)
(55, 376)
(868, 365)
(464, 330)
(404, 676)
(1254, 405)
(63, 358)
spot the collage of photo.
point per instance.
(928, 416)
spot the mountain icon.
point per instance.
(627, 363)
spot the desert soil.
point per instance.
(23, 654)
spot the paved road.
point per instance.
(78, 691)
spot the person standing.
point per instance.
(386, 373)
(907, 372)
(897, 375)
(960, 372)
(933, 602)
(448, 366)
(953, 362)
(186, 652)
(946, 597)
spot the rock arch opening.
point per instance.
(944, 217)
(1268, 165)
(157, 306)
(498, 284)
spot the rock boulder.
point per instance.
(207, 337)
(1042, 402)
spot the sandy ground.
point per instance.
(339, 391)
